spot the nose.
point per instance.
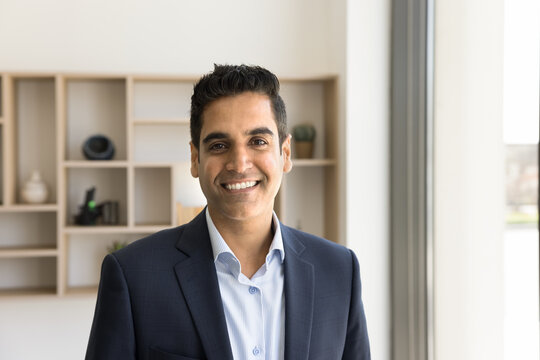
(239, 160)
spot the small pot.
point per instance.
(34, 190)
(304, 149)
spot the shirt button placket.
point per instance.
(256, 351)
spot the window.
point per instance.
(521, 135)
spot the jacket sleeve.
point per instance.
(356, 342)
(112, 335)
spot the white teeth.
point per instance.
(242, 185)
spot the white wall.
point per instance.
(298, 37)
(163, 36)
(469, 187)
(45, 327)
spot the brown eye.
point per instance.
(259, 142)
(217, 147)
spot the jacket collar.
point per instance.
(196, 274)
(299, 296)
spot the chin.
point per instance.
(243, 213)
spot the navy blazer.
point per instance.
(159, 299)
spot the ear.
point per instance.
(194, 160)
(286, 153)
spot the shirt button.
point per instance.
(252, 290)
(256, 351)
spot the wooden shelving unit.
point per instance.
(45, 119)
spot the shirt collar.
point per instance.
(219, 246)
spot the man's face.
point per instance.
(239, 163)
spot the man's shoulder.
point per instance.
(333, 264)
(152, 248)
(313, 245)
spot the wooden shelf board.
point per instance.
(147, 229)
(97, 229)
(82, 290)
(160, 77)
(27, 252)
(47, 291)
(307, 78)
(314, 162)
(151, 228)
(164, 121)
(165, 78)
(194, 78)
(144, 164)
(96, 76)
(29, 208)
(32, 75)
(95, 164)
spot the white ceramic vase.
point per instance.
(34, 190)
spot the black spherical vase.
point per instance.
(98, 147)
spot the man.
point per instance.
(234, 283)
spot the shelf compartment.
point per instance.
(27, 275)
(153, 196)
(35, 133)
(187, 190)
(311, 102)
(305, 207)
(161, 143)
(30, 229)
(85, 255)
(162, 99)
(95, 106)
(110, 184)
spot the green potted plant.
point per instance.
(116, 245)
(304, 137)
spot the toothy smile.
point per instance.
(241, 185)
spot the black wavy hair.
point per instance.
(230, 80)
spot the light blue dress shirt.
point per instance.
(254, 308)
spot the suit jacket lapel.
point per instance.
(198, 280)
(299, 295)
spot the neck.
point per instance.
(248, 239)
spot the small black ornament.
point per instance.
(98, 147)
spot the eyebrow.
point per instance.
(221, 135)
(214, 136)
(260, 130)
